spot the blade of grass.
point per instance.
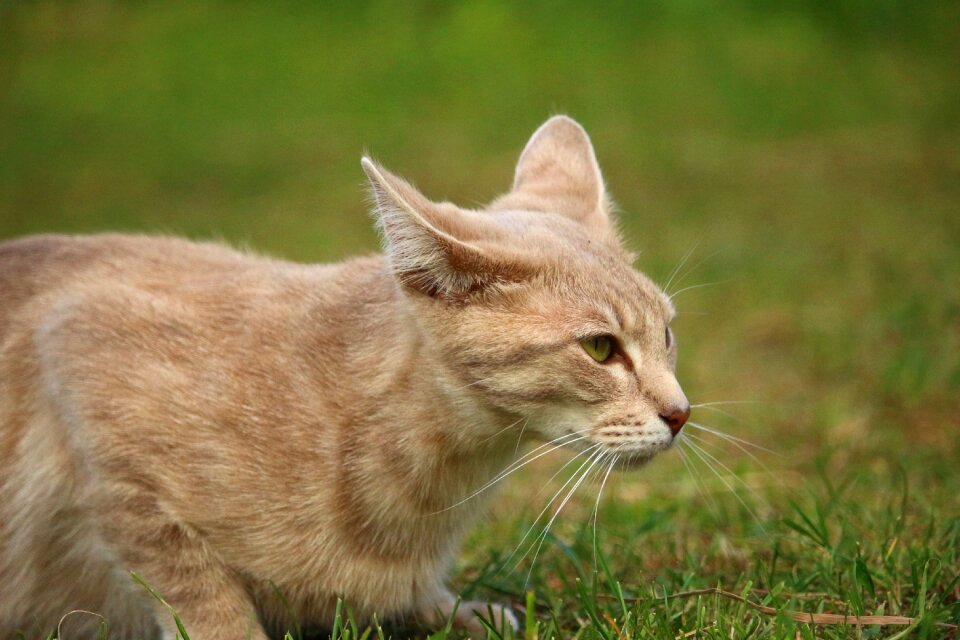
(176, 618)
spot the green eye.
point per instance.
(600, 348)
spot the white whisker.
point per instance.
(718, 410)
(716, 460)
(480, 381)
(722, 402)
(520, 437)
(746, 451)
(698, 286)
(546, 530)
(735, 440)
(700, 453)
(558, 472)
(506, 428)
(550, 502)
(517, 464)
(596, 506)
(676, 269)
(698, 482)
(696, 266)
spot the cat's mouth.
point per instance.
(632, 448)
(631, 457)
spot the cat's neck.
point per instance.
(428, 434)
(451, 441)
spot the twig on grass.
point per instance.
(800, 616)
(796, 616)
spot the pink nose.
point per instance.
(677, 417)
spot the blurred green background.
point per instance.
(809, 150)
(806, 151)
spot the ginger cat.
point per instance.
(217, 421)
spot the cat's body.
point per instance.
(221, 423)
(186, 390)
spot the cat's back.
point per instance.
(48, 265)
(32, 264)
(117, 318)
(114, 316)
(43, 275)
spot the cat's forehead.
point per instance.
(591, 273)
(600, 276)
(629, 299)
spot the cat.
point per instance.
(229, 426)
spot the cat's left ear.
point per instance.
(436, 248)
(558, 172)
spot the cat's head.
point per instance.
(533, 305)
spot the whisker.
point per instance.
(698, 482)
(717, 410)
(550, 502)
(506, 428)
(513, 468)
(547, 444)
(676, 269)
(699, 286)
(711, 406)
(730, 440)
(518, 464)
(716, 460)
(546, 530)
(696, 266)
(520, 437)
(734, 439)
(480, 381)
(722, 402)
(746, 451)
(699, 452)
(596, 506)
(558, 472)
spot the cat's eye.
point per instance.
(668, 338)
(600, 348)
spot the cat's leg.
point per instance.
(467, 615)
(176, 562)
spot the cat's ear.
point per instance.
(433, 247)
(558, 172)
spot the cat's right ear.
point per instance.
(432, 247)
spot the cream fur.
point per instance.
(216, 421)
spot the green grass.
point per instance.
(807, 150)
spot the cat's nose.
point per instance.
(676, 418)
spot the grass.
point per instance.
(805, 151)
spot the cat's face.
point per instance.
(534, 305)
(582, 347)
